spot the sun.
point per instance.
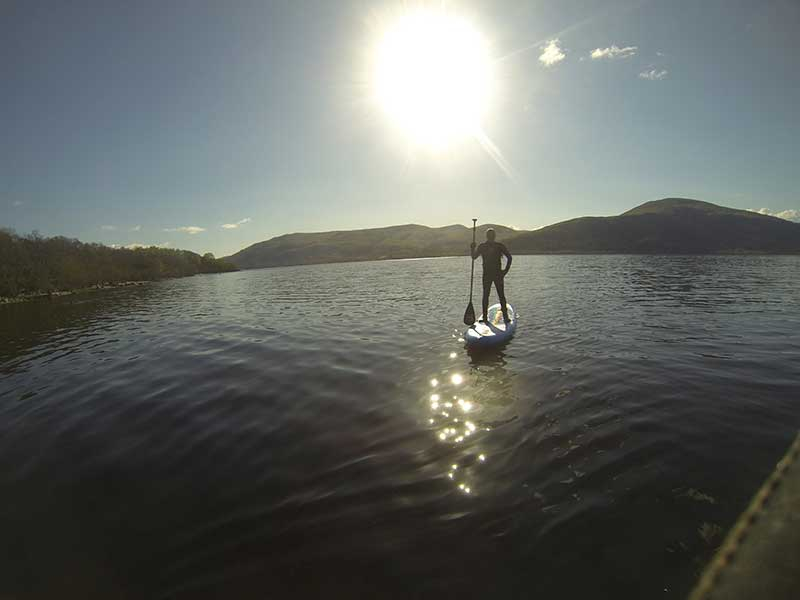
(433, 78)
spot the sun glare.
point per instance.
(433, 78)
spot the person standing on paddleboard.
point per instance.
(493, 273)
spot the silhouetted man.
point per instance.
(493, 273)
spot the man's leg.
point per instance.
(501, 292)
(487, 287)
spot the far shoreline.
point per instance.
(34, 296)
(560, 253)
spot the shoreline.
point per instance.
(554, 253)
(31, 296)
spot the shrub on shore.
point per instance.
(34, 264)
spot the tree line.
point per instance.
(34, 264)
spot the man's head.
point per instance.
(490, 234)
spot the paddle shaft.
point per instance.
(472, 259)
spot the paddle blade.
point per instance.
(469, 314)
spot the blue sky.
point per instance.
(133, 122)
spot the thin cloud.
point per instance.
(135, 246)
(552, 54)
(190, 229)
(237, 224)
(613, 52)
(603, 14)
(16, 203)
(136, 228)
(108, 227)
(654, 74)
(788, 215)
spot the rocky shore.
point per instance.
(27, 297)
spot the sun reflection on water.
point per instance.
(449, 422)
(469, 400)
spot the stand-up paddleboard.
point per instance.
(494, 331)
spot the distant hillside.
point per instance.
(400, 241)
(668, 226)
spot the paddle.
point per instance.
(469, 314)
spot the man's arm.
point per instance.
(508, 256)
(476, 252)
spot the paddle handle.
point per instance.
(472, 260)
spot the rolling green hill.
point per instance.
(400, 241)
(668, 226)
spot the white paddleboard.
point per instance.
(494, 331)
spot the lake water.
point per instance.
(321, 432)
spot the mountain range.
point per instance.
(667, 226)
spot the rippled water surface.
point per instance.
(321, 432)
